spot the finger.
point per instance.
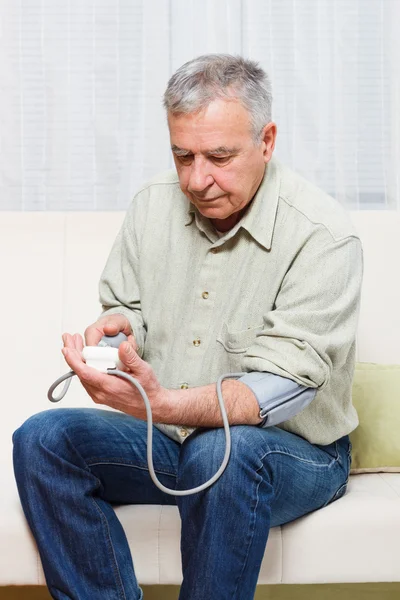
(78, 339)
(130, 358)
(115, 325)
(133, 342)
(74, 360)
(72, 356)
(68, 340)
(112, 328)
(73, 341)
(109, 325)
(93, 334)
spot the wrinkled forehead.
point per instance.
(221, 124)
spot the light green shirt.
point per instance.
(279, 292)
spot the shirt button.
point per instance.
(184, 386)
(196, 342)
(205, 295)
(183, 432)
(214, 250)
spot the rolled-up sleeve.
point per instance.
(313, 324)
(119, 290)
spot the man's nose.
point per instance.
(200, 176)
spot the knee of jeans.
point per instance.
(203, 451)
(45, 427)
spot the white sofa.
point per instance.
(50, 265)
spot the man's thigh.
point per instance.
(305, 476)
(113, 446)
(294, 476)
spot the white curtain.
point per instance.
(81, 83)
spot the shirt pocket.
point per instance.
(236, 343)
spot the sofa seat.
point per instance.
(355, 539)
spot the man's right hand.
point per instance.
(109, 325)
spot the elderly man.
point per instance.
(233, 263)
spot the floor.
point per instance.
(369, 591)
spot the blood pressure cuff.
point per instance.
(279, 398)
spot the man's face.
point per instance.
(218, 164)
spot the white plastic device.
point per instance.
(102, 358)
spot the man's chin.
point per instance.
(212, 212)
(221, 221)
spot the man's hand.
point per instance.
(112, 390)
(109, 325)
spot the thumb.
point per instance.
(128, 355)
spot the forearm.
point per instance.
(199, 407)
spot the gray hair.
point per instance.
(204, 79)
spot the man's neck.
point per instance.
(224, 225)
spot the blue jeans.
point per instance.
(72, 465)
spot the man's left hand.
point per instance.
(112, 390)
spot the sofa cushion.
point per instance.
(330, 545)
(351, 540)
(376, 397)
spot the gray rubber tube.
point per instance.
(146, 401)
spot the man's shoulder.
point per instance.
(314, 205)
(159, 199)
(168, 178)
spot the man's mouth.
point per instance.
(205, 199)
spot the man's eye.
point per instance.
(186, 159)
(220, 159)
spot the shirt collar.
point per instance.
(259, 219)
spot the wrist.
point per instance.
(163, 412)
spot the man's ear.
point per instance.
(269, 133)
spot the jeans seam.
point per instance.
(158, 543)
(253, 525)
(310, 462)
(38, 567)
(115, 567)
(127, 464)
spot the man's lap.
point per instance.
(114, 447)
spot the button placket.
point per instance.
(203, 310)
